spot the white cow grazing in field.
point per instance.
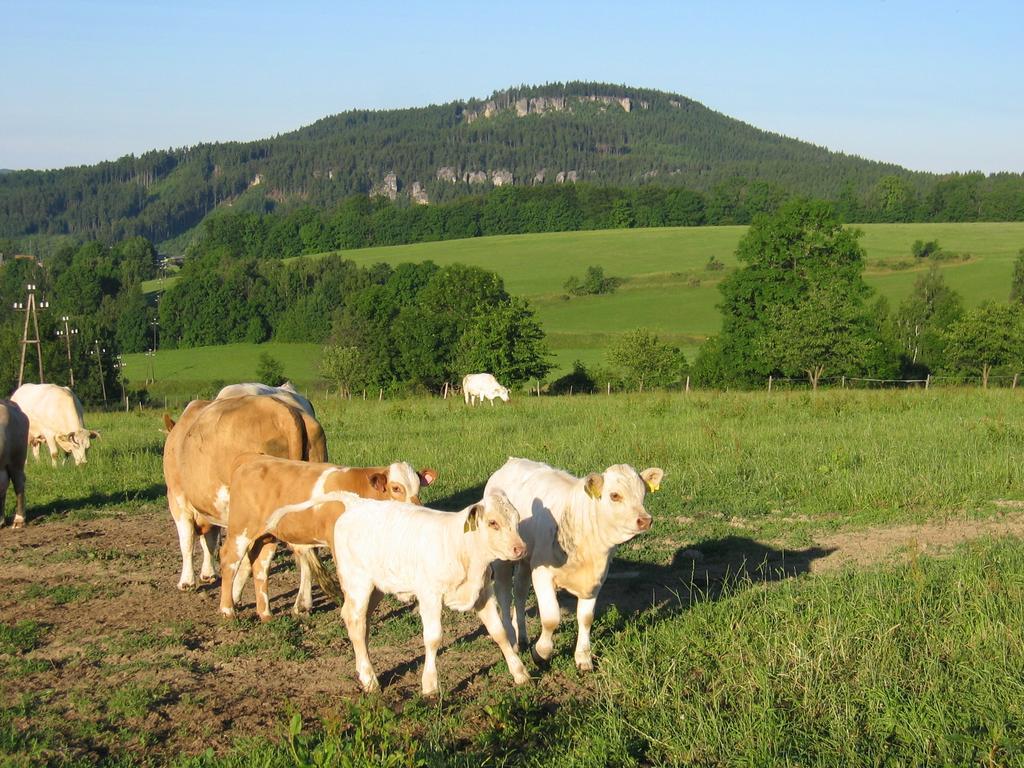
(55, 418)
(571, 527)
(286, 393)
(482, 385)
(13, 450)
(440, 558)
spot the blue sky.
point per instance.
(930, 85)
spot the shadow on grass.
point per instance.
(635, 586)
(93, 502)
(459, 500)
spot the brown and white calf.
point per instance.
(440, 558)
(265, 490)
(200, 454)
(13, 451)
(571, 526)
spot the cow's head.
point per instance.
(76, 443)
(496, 524)
(618, 498)
(502, 394)
(402, 482)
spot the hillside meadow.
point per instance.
(667, 289)
(831, 578)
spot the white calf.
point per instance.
(571, 527)
(387, 547)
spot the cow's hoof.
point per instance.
(17, 525)
(227, 613)
(370, 686)
(522, 645)
(585, 666)
(207, 579)
(265, 617)
(185, 586)
(539, 660)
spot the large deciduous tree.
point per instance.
(804, 248)
(923, 317)
(505, 340)
(642, 360)
(985, 339)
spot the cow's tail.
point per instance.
(327, 581)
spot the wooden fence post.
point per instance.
(381, 395)
(609, 387)
(570, 390)
(1014, 385)
(844, 382)
(928, 381)
(769, 382)
(687, 383)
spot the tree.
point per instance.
(986, 338)
(642, 359)
(1017, 283)
(803, 247)
(924, 316)
(822, 332)
(343, 367)
(270, 370)
(505, 340)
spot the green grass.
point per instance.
(662, 266)
(898, 664)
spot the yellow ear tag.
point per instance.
(652, 487)
(470, 524)
(591, 491)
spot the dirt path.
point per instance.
(125, 660)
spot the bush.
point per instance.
(270, 370)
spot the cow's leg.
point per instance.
(260, 569)
(304, 597)
(521, 590)
(51, 444)
(584, 618)
(186, 540)
(3, 498)
(354, 613)
(465, 396)
(233, 552)
(35, 448)
(502, 571)
(208, 542)
(430, 615)
(547, 607)
(18, 478)
(487, 610)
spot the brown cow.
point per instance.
(200, 454)
(263, 489)
(13, 450)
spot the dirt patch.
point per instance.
(876, 545)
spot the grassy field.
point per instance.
(831, 579)
(668, 288)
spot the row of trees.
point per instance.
(799, 307)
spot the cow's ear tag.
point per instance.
(593, 485)
(652, 487)
(471, 519)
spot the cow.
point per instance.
(286, 393)
(440, 558)
(264, 488)
(200, 453)
(14, 433)
(571, 527)
(55, 418)
(477, 386)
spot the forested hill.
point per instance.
(592, 132)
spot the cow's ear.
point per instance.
(473, 519)
(593, 484)
(427, 475)
(68, 438)
(93, 434)
(652, 478)
(379, 482)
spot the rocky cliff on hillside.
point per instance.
(542, 104)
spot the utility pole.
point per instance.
(67, 333)
(29, 307)
(119, 365)
(155, 325)
(99, 360)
